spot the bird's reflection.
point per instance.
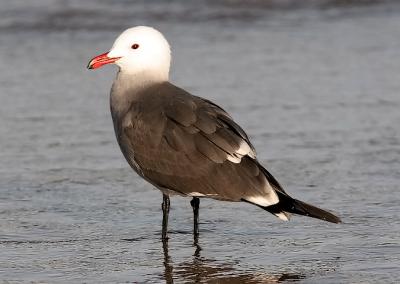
(168, 273)
(202, 270)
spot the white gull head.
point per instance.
(139, 51)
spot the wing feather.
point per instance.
(188, 144)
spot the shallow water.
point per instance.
(315, 86)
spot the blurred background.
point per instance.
(314, 83)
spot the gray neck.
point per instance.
(127, 87)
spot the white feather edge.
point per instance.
(244, 149)
(283, 216)
(198, 194)
(264, 200)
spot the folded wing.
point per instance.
(193, 147)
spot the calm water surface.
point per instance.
(316, 87)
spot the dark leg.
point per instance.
(165, 208)
(195, 205)
(168, 273)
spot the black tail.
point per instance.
(287, 204)
(302, 208)
(290, 205)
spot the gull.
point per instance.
(183, 144)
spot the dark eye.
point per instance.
(135, 46)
